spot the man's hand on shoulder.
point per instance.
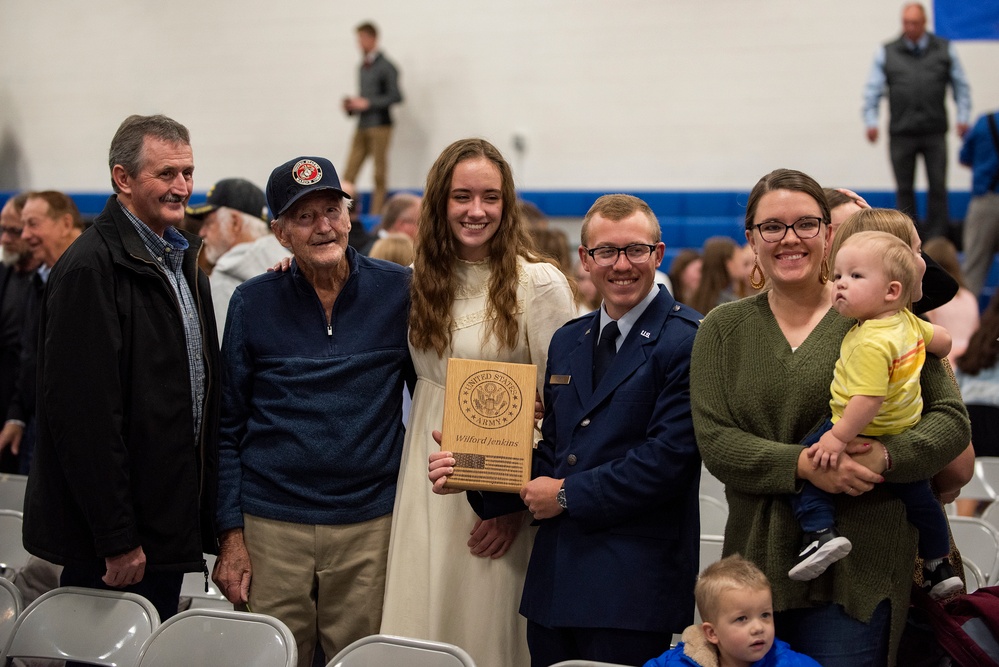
(125, 569)
(232, 572)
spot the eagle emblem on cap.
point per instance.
(307, 172)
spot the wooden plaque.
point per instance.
(489, 424)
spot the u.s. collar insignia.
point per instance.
(646, 334)
(306, 172)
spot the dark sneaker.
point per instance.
(941, 583)
(820, 550)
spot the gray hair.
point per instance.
(126, 146)
(253, 224)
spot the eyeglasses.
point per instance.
(773, 231)
(606, 255)
(13, 231)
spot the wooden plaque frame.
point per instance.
(489, 424)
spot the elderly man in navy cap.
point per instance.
(314, 362)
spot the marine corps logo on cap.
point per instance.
(307, 172)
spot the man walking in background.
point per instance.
(915, 70)
(378, 92)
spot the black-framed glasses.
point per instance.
(606, 255)
(773, 231)
(13, 231)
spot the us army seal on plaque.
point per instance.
(489, 424)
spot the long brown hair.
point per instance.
(434, 282)
(681, 261)
(718, 250)
(983, 348)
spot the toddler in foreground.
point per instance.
(733, 598)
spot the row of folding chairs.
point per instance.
(117, 628)
(114, 628)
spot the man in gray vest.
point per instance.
(379, 91)
(915, 70)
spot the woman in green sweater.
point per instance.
(760, 375)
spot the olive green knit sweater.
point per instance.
(753, 399)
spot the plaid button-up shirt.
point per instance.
(168, 254)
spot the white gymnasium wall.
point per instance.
(622, 95)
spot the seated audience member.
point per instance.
(400, 215)
(959, 315)
(977, 372)
(533, 216)
(238, 240)
(553, 246)
(685, 274)
(395, 248)
(720, 258)
(737, 629)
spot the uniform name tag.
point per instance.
(560, 379)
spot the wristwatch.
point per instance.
(560, 497)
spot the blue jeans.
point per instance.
(835, 639)
(813, 508)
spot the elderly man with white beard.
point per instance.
(238, 240)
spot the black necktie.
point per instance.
(606, 349)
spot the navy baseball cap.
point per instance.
(297, 178)
(235, 193)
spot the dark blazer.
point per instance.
(625, 553)
(379, 84)
(117, 463)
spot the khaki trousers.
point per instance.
(372, 141)
(324, 582)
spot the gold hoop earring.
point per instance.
(754, 282)
(824, 275)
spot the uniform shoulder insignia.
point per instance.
(576, 319)
(687, 313)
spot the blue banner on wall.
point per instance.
(966, 19)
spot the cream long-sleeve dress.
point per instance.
(435, 588)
